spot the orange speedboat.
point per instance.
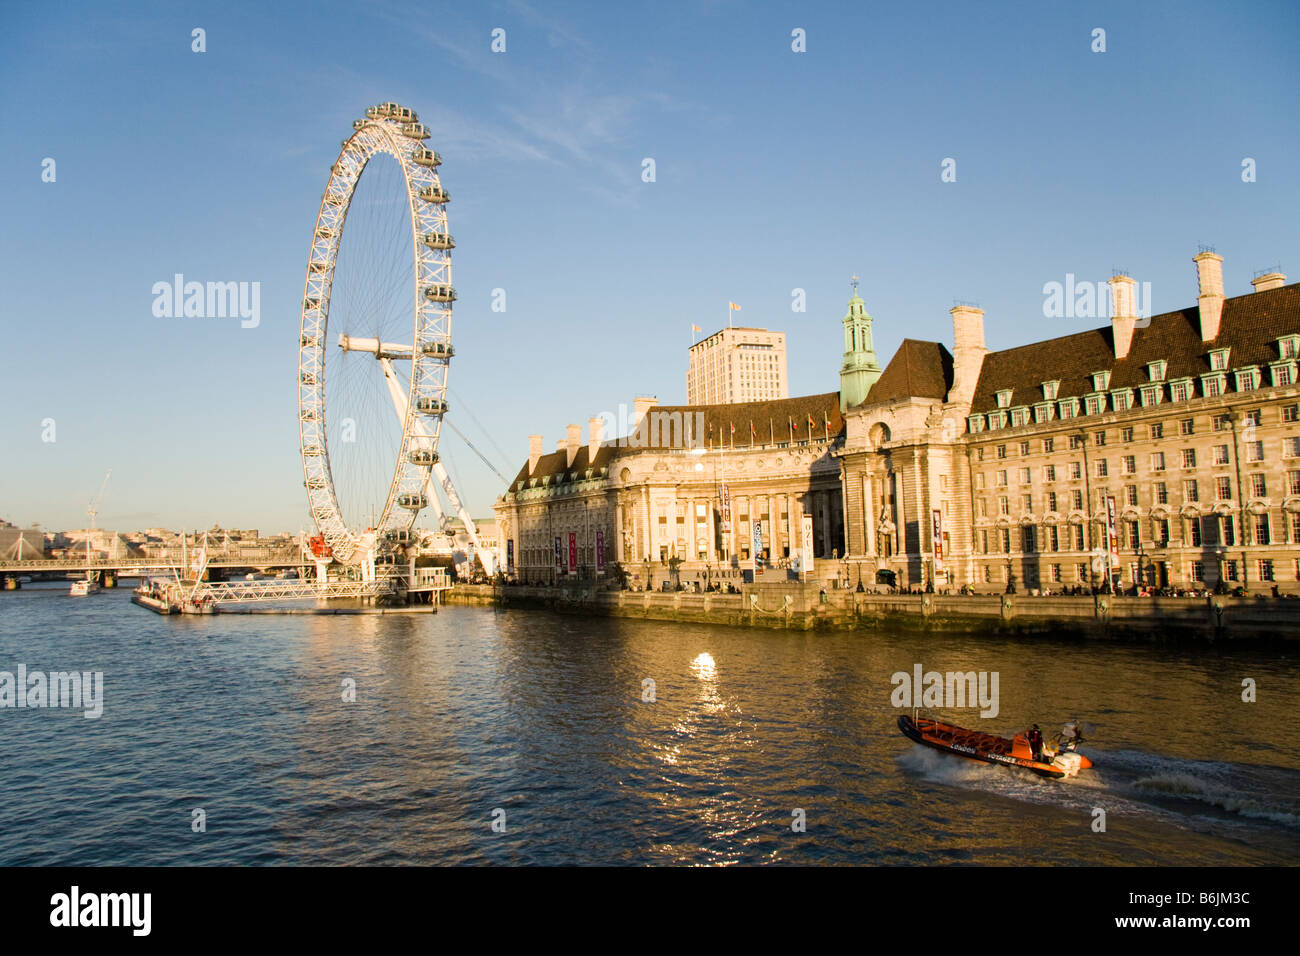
(1058, 759)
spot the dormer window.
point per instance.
(1100, 381)
(1004, 398)
(1156, 370)
(1287, 346)
(1219, 360)
(1247, 379)
(1049, 390)
(1121, 399)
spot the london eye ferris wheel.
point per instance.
(375, 343)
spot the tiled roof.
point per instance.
(917, 370)
(771, 420)
(1250, 326)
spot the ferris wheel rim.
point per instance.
(397, 133)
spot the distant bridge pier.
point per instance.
(108, 579)
(12, 583)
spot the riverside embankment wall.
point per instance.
(801, 607)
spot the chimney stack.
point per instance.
(1270, 280)
(1123, 317)
(595, 435)
(534, 452)
(640, 405)
(572, 443)
(968, 352)
(1209, 274)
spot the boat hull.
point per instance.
(988, 748)
(157, 605)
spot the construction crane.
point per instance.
(92, 509)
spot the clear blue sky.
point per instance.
(775, 171)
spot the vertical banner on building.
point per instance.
(559, 554)
(936, 535)
(726, 510)
(573, 552)
(510, 556)
(806, 545)
(758, 543)
(600, 552)
(1112, 539)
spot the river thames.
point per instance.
(536, 720)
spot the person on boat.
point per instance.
(1035, 737)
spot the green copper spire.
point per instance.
(860, 369)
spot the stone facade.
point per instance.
(966, 468)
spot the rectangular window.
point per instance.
(1221, 423)
(1004, 506)
(1006, 540)
(1258, 486)
(1189, 457)
(1078, 501)
(1002, 451)
(1126, 435)
(1162, 532)
(1128, 464)
(1291, 447)
(1187, 426)
(1049, 444)
(1131, 532)
(1049, 472)
(1161, 493)
(1230, 570)
(1220, 454)
(1076, 441)
(1025, 477)
(1158, 430)
(1190, 490)
(1254, 451)
(1293, 482)
(1028, 539)
(1076, 470)
(1198, 571)
(1196, 532)
(1054, 537)
(1261, 529)
(1158, 461)
(1265, 570)
(1056, 573)
(1131, 495)
(1227, 531)
(1102, 468)
(1001, 477)
(1024, 448)
(1081, 572)
(1223, 488)
(1290, 413)
(1099, 438)
(983, 507)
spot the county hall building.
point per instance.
(1164, 450)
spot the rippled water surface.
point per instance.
(540, 715)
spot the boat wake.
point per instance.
(1194, 793)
